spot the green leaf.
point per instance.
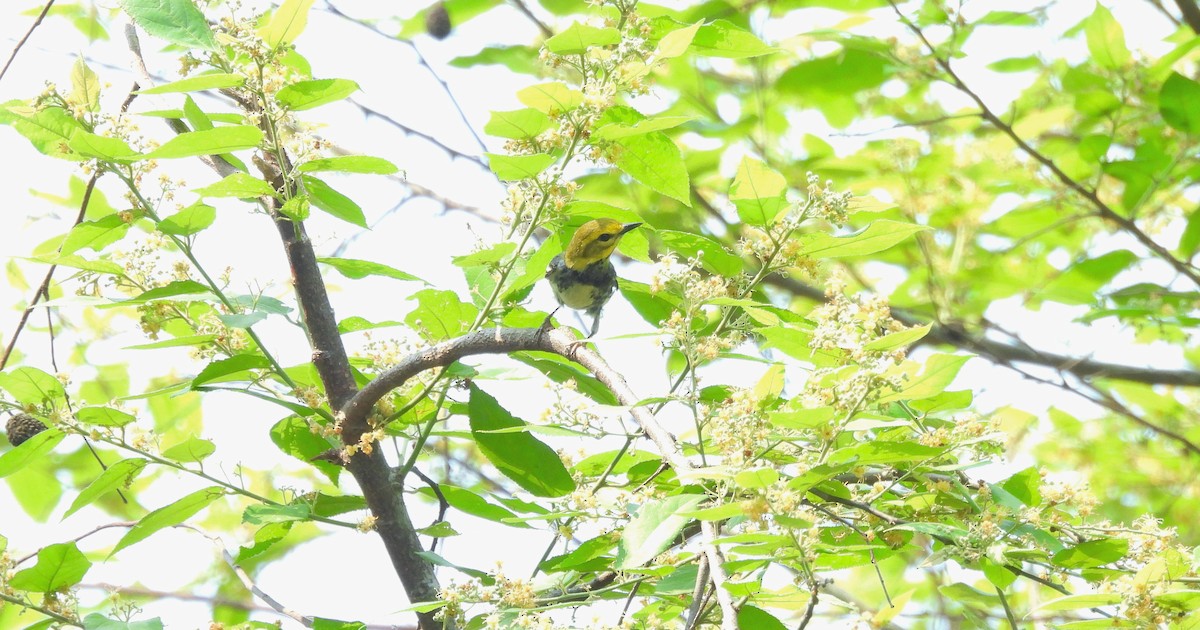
(969, 596)
(49, 130)
(577, 38)
(883, 453)
(652, 158)
(191, 450)
(517, 455)
(618, 130)
(96, 621)
(441, 313)
(1025, 486)
(722, 38)
(756, 478)
(997, 574)
(286, 23)
(95, 235)
(802, 419)
(364, 164)
(30, 450)
(177, 290)
(1106, 39)
(104, 417)
(198, 83)
(263, 514)
(468, 502)
(176, 21)
(939, 372)
(758, 192)
(713, 256)
(561, 370)
(1016, 64)
(551, 98)
(355, 323)
(213, 141)
(168, 516)
(751, 617)
(115, 476)
(323, 196)
(102, 147)
(1093, 553)
(191, 220)
(1075, 602)
(234, 368)
(1189, 241)
(677, 42)
(1179, 600)
(898, 339)
(58, 567)
(304, 95)
(266, 537)
(196, 116)
(877, 237)
(517, 167)
(297, 208)
(518, 124)
(85, 86)
(31, 386)
(240, 185)
(356, 269)
(519, 59)
(294, 437)
(1179, 103)
(652, 529)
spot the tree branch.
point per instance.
(43, 289)
(16, 49)
(560, 341)
(1102, 209)
(1190, 12)
(1004, 353)
(370, 470)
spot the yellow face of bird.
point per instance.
(595, 241)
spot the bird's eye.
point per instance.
(605, 237)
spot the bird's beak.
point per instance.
(627, 227)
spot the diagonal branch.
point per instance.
(370, 470)
(1191, 13)
(16, 49)
(354, 412)
(1005, 353)
(1102, 209)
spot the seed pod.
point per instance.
(21, 427)
(437, 21)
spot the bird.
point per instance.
(583, 277)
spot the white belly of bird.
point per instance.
(578, 296)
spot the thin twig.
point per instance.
(520, 4)
(41, 16)
(44, 288)
(1102, 208)
(248, 582)
(812, 605)
(329, 6)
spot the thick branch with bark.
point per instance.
(1003, 353)
(562, 342)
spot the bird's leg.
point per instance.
(595, 325)
(546, 325)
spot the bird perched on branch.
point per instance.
(583, 277)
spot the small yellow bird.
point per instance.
(583, 277)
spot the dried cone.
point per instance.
(437, 21)
(21, 427)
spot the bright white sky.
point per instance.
(417, 238)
